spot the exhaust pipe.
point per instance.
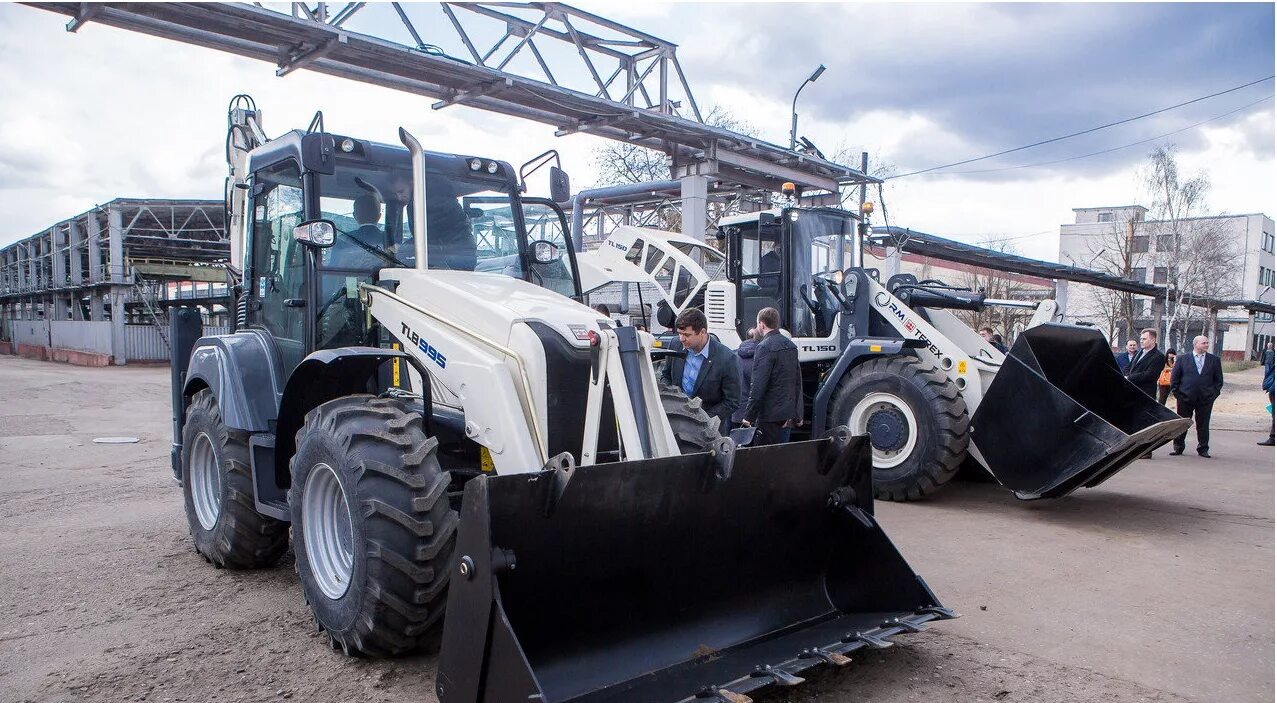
(418, 196)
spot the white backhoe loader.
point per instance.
(412, 389)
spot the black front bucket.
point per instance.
(1059, 416)
(672, 579)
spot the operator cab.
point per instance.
(307, 297)
(787, 259)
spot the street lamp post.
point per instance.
(793, 125)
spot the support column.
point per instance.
(118, 294)
(61, 311)
(1159, 315)
(1250, 336)
(893, 262)
(76, 235)
(1062, 298)
(115, 233)
(95, 248)
(97, 310)
(695, 194)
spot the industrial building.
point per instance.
(95, 288)
(1122, 240)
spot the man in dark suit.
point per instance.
(1125, 358)
(708, 370)
(1146, 367)
(1196, 382)
(773, 391)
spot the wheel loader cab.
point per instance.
(787, 259)
(307, 297)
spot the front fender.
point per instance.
(323, 376)
(855, 352)
(244, 374)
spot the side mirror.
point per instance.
(544, 251)
(560, 185)
(316, 233)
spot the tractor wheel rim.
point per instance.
(326, 528)
(206, 481)
(886, 409)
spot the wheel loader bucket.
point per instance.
(693, 578)
(1059, 416)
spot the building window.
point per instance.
(1139, 244)
(1165, 242)
(1138, 274)
(1105, 217)
(1159, 274)
(1266, 242)
(1265, 276)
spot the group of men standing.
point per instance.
(1196, 381)
(710, 371)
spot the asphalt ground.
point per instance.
(1156, 586)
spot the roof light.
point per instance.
(347, 145)
(492, 167)
(475, 164)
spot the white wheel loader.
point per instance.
(889, 359)
(412, 392)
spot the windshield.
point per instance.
(469, 226)
(819, 231)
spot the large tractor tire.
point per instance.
(372, 528)
(694, 428)
(217, 485)
(916, 420)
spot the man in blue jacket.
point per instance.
(708, 370)
(1196, 382)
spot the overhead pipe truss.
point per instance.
(626, 85)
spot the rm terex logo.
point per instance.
(416, 339)
(883, 300)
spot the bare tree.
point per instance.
(997, 284)
(1191, 248)
(1120, 251)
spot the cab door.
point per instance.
(279, 263)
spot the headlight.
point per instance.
(492, 167)
(475, 164)
(347, 145)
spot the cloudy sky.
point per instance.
(106, 113)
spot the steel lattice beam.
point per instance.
(308, 41)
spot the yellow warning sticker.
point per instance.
(394, 365)
(485, 461)
(962, 367)
(875, 348)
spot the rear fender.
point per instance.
(323, 376)
(854, 353)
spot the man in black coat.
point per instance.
(1196, 381)
(774, 381)
(708, 370)
(1146, 367)
(1148, 363)
(1125, 358)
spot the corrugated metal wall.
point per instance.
(81, 336)
(143, 342)
(34, 332)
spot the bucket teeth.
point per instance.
(902, 624)
(782, 678)
(942, 612)
(873, 641)
(714, 693)
(832, 658)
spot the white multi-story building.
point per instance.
(1120, 238)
